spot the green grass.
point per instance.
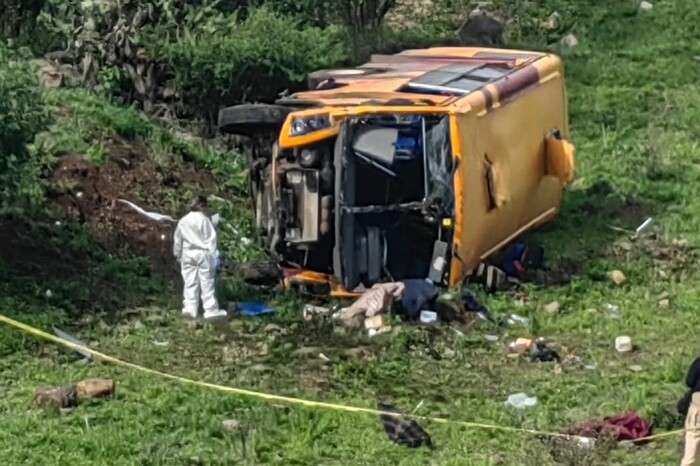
(634, 103)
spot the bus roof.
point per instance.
(439, 76)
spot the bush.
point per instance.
(229, 60)
(17, 17)
(314, 13)
(22, 116)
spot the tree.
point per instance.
(363, 21)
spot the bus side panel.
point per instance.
(508, 141)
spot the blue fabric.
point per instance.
(515, 254)
(406, 142)
(254, 309)
(418, 295)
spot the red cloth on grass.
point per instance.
(628, 426)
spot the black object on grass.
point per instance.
(402, 430)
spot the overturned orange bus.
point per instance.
(419, 164)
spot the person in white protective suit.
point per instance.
(196, 249)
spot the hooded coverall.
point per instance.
(195, 246)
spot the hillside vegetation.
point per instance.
(101, 101)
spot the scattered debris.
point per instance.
(645, 224)
(552, 23)
(310, 312)
(449, 353)
(569, 41)
(375, 322)
(373, 332)
(374, 301)
(540, 352)
(252, 309)
(552, 308)
(572, 359)
(664, 303)
(70, 396)
(516, 319)
(472, 304)
(586, 442)
(628, 426)
(636, 368)
(520, 345)
(623, 344)
(160, 343)
(617, 277)
(402, 430)
(57, 397)
(491, 338)
(71, 339)
(261, 274)
(428, 317)
(95, 388)
(417, 296)
(646, 6)
(155, 216)
(521, 401)
(492, 278)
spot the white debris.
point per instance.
(48, 294)
(521, 400)
(79, 195)
(586, 442)
(162, 237)
(645, 6)
(569, 41)
(643, 226)
(246, 241)
(57, 223)
(428, 317)
(152, 215)
(623, 344)
(553, 21)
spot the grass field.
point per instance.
(634, 90)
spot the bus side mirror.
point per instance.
(560, 156)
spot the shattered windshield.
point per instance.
(413, 152)
(439, 164)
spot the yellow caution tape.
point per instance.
(290, 400)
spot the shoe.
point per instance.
(216, 314)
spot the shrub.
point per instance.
(22, 116)
(229, 60)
